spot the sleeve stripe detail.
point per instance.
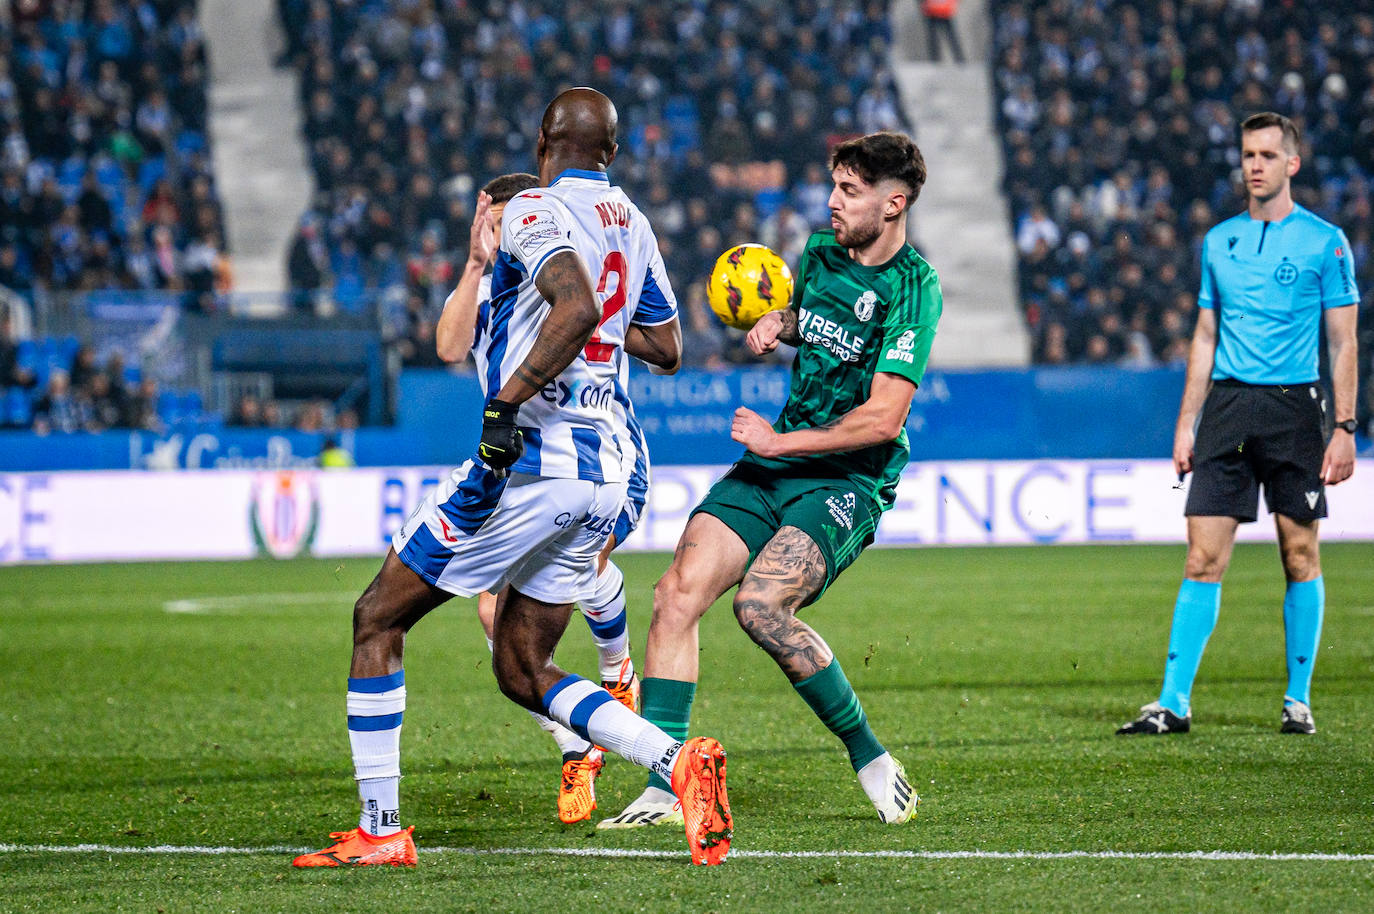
(545, 259)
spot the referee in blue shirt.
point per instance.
(1270, 277)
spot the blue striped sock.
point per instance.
(376, 707)
(1195, 615)
(1303, 607)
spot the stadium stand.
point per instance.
(1119, 122)
(105, 176)
(105, 184)
(725, 118)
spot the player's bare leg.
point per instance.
(396, 599)
(1210, 543)
(789, 572)
(710, 559)
(1304, 604)
(526, 634)
(581, 761)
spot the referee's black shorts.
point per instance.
(1254, 434)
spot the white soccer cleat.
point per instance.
(654, 806)
(884, 780)
(1297, 718)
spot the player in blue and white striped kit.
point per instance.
(532, 511)
(464, 329)
(1271, 277)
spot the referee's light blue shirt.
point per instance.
(1269, 283)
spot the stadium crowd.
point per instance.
(726, 111)
(105, 177)
(1119, 122)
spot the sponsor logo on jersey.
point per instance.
(599, 526)
(842, 509)
(534, 229)
(902, 351)
(589, 396)
(863, 308)
(830, 336)
(1285, 274)
(1231, 242)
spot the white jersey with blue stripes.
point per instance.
(580, 426)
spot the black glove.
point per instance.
(501, 443)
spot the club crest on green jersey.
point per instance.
(863, 308)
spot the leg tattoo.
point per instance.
(789, 571)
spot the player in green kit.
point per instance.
(804, 501)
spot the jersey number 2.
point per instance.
(596, 350)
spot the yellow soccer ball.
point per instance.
(747, 282)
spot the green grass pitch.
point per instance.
(201, 704)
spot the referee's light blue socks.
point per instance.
(1195, 615)
(1303, 605)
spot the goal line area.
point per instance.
(742, 853)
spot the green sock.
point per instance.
(667, 704)
(832, 698)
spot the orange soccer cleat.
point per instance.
(356, 847)
(699, 782)
(577, 791)
(625, 688)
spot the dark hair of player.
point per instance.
(503, 188)
(1291, 138)
(880, 156)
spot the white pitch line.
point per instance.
(260, 601)
(1243, 856)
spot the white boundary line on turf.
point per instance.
(747, 854)
(235, 603)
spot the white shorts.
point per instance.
(541, 535)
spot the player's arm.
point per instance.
(782, 326)
(877, 420)
(1201, 355)
(453, 335)
(1338, 464)
(773, 328)
(573, 315)
(660, 345)
(655, 333)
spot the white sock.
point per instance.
(605, 614)
(569, 743)
(591, 711)
(376, 706)
(381, 799)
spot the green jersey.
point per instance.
(855, 321)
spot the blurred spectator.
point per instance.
(334, 457)
(140, 410)
(1119, 128)
(410, 106)
(311, 417)
(102, 141)
(60, 409)
(939, 15)
(307, 264)
(12, 374)
(247, 412)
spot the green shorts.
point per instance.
(839, 514)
